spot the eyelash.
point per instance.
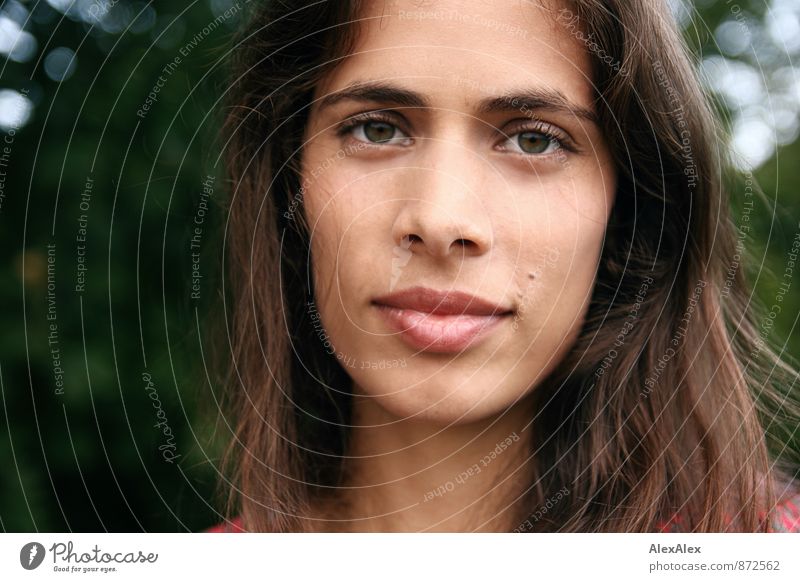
(559, 137)
(355, 121)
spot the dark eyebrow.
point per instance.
(537, 99)
(528, 99)
(375, 91)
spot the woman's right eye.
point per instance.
(377, 132)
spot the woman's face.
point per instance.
(457, 190)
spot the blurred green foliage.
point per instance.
(89, 459)
(92, 456)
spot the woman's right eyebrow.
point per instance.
(529, 99)
(375, 91)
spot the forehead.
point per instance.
(468, 47)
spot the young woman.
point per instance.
(483, 273)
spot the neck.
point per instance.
(406, 475)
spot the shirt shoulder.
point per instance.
(232, 526)
(786, 518)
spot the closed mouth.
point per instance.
(435, 321)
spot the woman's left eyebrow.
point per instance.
(537, 100)
(533, 99)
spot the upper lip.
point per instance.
(436, 302)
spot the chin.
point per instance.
(448, 399)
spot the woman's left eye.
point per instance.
(532, 143)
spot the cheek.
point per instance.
(562, 236)
(329, 217)
(575, 213)
(350, 249)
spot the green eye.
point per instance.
(532, 142)
(374, 131)
(379, 131)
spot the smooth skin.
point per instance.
(419, 168)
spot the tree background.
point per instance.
(85, 370)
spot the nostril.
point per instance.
(408, 240)
(462, 242)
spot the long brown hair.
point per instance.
(670, 401)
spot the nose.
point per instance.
(442, 213)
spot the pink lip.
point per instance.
(437, 321)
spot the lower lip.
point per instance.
(439, 333)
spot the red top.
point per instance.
(786, 519)
(233, 526)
